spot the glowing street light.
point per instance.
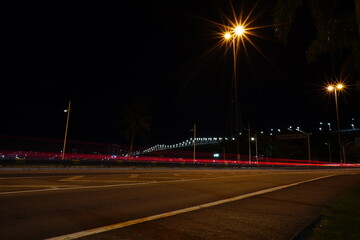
(330, 88)
(239, 30)
(339, 86)
(227, 36)
(235, 34)
(335, 88)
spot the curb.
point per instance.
(305, 232)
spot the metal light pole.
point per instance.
(194, 151)
(335, 89)
(66, 130)
(249, 133)
(338, 124)
(329, 148)
(256, 149)
(309, 146)
(237, 120)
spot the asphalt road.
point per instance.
(165, 203)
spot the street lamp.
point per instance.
(235, 35)
(335, 88)
(66, 130)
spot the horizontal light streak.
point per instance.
(205, 159)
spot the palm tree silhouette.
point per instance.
(337, 25)
(135, 120)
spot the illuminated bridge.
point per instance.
(187, 143)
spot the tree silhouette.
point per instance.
(135, 120)
(337, 24)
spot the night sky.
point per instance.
(104, 56)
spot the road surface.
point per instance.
(165, 203)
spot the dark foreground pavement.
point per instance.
(277, 215)
(42, 205)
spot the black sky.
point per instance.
(104, 56)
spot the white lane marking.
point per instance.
(36, 186)
(134, 176)
(69, 179)
(114, 185)
(105, 181)
(176, 212)
(34, 177)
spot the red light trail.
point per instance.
(29, 156)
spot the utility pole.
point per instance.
(256, 149)
(194, 129)
(309, 146)
(328, 144)
(338, 126)
(66, 130)
(249, 142)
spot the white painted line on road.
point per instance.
(37, 186)
(33, 177)
(176, 212)
(69, 179)
(113, 185)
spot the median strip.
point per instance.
(176, 212)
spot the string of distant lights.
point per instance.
(215, 140)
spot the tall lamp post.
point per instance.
(336, 88)
(235, 35)
(194, 151)
(66, 130)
